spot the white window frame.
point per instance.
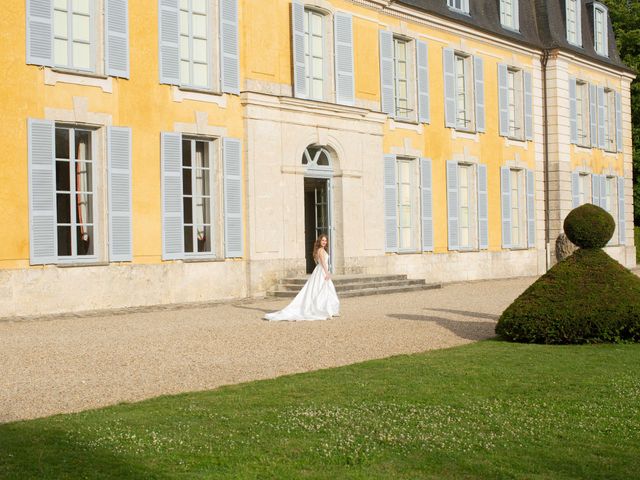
(584, 188)
(461, 6)
(582, 114)
(509, 14)
(515, 88)
(610, 140)
(415, 221)
(600, 34)
(95, 27)
(464, 92)
(408, 112)
(214, 197)
(519, 208)
(97, 194)
(610, 198)
(309, 13)
(573, 19)
(188, 57)
(472, 206)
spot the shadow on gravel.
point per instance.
(35, 450)
(265, 310)
(462, 329)
(489, 316)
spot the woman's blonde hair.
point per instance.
(317, 246)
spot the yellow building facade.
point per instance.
(177, 151)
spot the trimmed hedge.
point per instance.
(589, 226)
(587, 298)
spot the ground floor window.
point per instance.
(405, 204)
(75, 192)
(518, 209)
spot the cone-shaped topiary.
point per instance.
(588, 297)
(589, 226)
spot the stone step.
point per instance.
(357, 292)
(341, 287)
(342, 279)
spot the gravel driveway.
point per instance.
(70, 364)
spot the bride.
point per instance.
(318, 299)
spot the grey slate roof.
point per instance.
(542, 24)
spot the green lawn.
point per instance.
(486, 410)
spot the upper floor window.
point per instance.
(65, 34)
(600, 29)
(610, 120)
(515, 99)
(459, 5)
(582, 114)
(314, 53)
(402, 81)
(514, 85)
(199, 44)
(194, 44)
(509, 14)
(72, 30)
(574, 35)
(463, 92)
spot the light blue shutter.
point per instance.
(478, 69)
(603, 191)
(42, 192)
(601, 119)
(593, 115)
(343, 33)
(117, 37)
(575, 189)
(595, 189)
(386, 72)
(483, 208)
(120, 228)
(427, 204)
(573, 111)
(505, 193)
(233, 228)
(390, 204)
(297, 35)
(172, 215)
(528, 105)
(422, 61)
(452, 206)
(449, 88)
(621, 220)
(503, 99)
(618, 122)
(531, 209)
(229, 48)
(40, 32)
(169, 37)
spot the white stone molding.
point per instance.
(201, 126)
(179, 95)
(54, 76)
(79, 114)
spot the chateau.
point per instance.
(175, 151)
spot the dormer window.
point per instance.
(600, 43)
(509, 14)
(459, 5)
(574, 30)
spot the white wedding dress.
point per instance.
(316, 301)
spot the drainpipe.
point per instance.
(545, 130)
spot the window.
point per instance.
(574, 31)
(197, 199)
(509, 14)
(600, 29)
(518, 209)
(405, 204)
(463, 89)
(314, 53)
(75, 168)
(610, 120)
(584, 189)
(582, 113)
(610, 204)
(194, 44)
(466, 210)
(401, 78)
(73, 27)
(514, 85)
(459, 5)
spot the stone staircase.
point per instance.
(355, 285)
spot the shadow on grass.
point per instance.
(33, 450)
(463, 329)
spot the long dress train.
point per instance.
(316, 301)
